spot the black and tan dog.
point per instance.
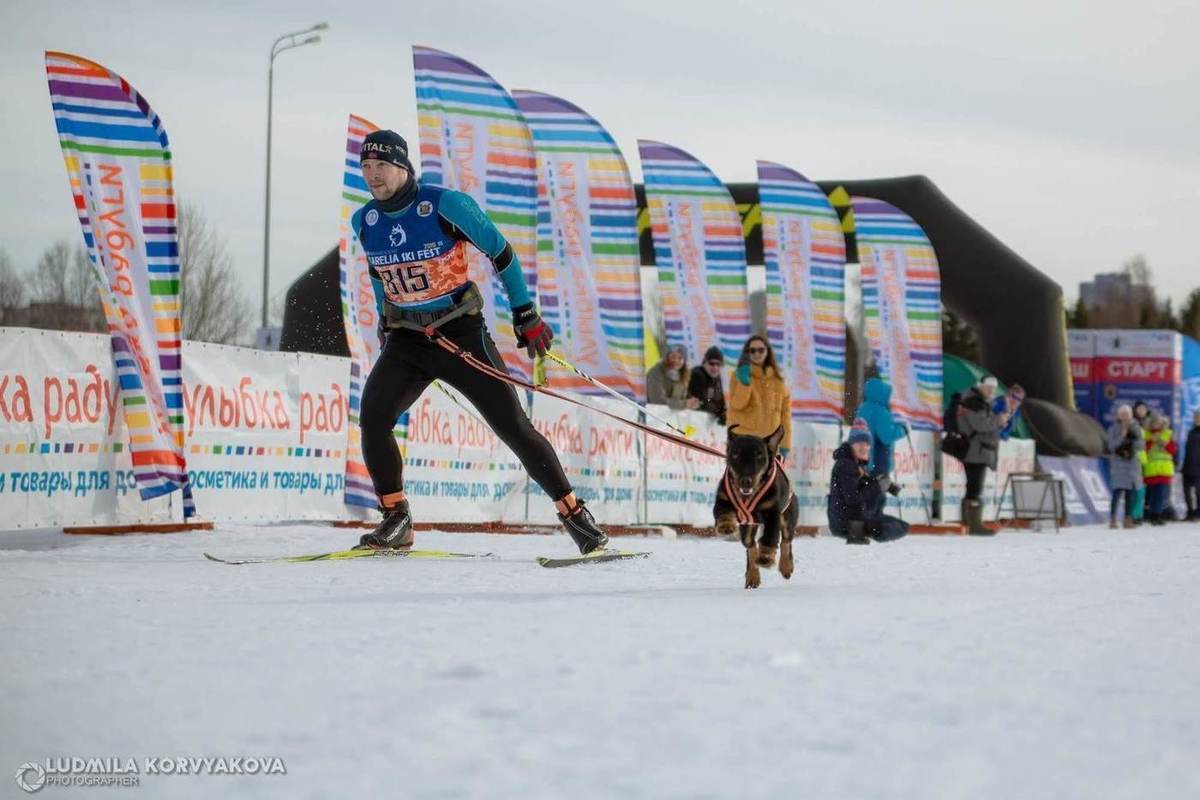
(755, 495)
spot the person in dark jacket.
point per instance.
(704, 384)
(855, 497)
(1191, 469)
(981, 425)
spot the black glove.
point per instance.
(532, 331)
(382, 330)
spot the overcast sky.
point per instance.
(1069, 129)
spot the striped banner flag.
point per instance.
(589, 284)
(360, 318)
(902, 305)
(699, 253)
(118, 161)
(805, 256)
(474, 139)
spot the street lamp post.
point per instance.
(285, 42)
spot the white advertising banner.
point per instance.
(681, 483)
(64, 453)
(455, 467)
(809, 465)
(954, 489)
(601, 457)
(913, 469)
(266, 433)
(266, 438)
(1016, 455)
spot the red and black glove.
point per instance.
(532, 331)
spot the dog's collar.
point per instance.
(744, 508)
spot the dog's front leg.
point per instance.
(788, 520)
(749, 534)
(727, 525)
(786, 565)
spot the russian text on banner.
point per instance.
(699, 253)
(805, 256)
(474, 140)
(901, 290)
(601, 457)
(456, 469)
(589, 285)
(64, 449)
(266, 433)
(118, 160)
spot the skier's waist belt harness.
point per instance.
(469, 301)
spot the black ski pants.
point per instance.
(409, 362)
(976, 473)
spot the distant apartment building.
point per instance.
(1113, 289)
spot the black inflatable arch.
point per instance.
(1015, 310)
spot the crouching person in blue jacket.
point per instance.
(855, 496)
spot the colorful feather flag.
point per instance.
(805, 257)
(902, 306)
(589, 285)
(699, 253)
(118, 160)
(474, 140)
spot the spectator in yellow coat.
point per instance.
(759, 401)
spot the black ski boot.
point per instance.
(394, 532)
(856, 532)
(583, 529)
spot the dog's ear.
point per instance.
(729, 431)
(773, 441)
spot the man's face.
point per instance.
(862, 450)
(987, 390)
(1125, 414)
(383, 178)
(713, 368)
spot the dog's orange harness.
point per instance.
(745, 509)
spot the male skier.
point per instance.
(414, 235)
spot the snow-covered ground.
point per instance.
(1029, 665)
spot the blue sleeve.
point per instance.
(461, 211)
(380, 297)
(892, 432)
(356, 222)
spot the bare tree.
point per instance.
(63, 290)
(12, 292)
(959, 338)
(215, 308)
(1189, 315)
